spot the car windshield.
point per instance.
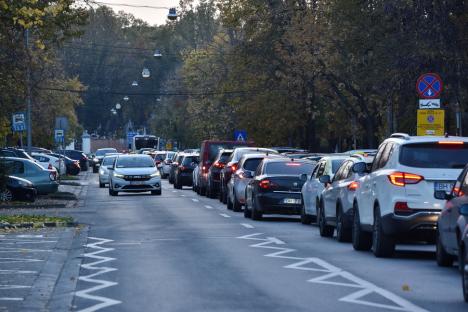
(189, 160)
(224, 157)
(291, 168)
(336, 163)
(246, 151)
(160, 157)
(109, 160)
(134, 162)
(252, 163)
(434, 155)
(102, 152)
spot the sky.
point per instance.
(151, 16)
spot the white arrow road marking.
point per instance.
(332, 272)
(208, 207)
(101, 284)
(224, 215)
(195, 200)
(246, 225)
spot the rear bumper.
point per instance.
(420, 226)
(273, 203)
(186, 179)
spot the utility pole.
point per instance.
(28, 91)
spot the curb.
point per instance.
(25, 225)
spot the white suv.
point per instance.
(397, 199)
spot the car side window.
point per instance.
(464, 185)
(349, 171)
(339, 175)
(16, 167)
(314, 171)
(321, 170)
(386, 155)
(375, 164)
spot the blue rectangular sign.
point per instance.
(240, 135)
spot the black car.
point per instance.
(183, 172)
(175, 163)
(18, 189)
(76, 155)
(276, 187)
(214, 172)
(73, 166)
(100, 154)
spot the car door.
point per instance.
(307, 193)
(330, 192)
(460, 190)
(316, 186)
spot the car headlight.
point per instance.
(118, 175)
(155, 174)
(96, 160)
(24, 183)
(101, 171)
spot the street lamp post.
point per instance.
(28, 92)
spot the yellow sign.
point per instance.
(431, 122)
(169, 146)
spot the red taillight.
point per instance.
(218, 165)
(402, 207)
(353, 186)
(234, 167)
(50, 167)
(458, 192)
(293, 164)
(182, 168)
(451, 142)
(267, 184)
(52, 176)
(403, 178)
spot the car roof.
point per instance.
(334, 157)
(403, 138)
(285, 159)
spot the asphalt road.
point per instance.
(182, 252)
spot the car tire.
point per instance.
(247, 211)
(210, 192)
(101, 185)
(236, 206)
(325, 230)
(383, 245)
(343, 234)
(443, 258)
(256, 215)
(464, 273)
(6, 195)
(95, 169)
(158, 192)
(305, 218)
(229, 203)
(362, 241)
(112, 192)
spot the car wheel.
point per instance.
(382, 245)
(305, 218)
(112, 192)
(324, 229)
(236, 206)
(247, 211)
(229, 203)
(158, 192)
(95, 169)
(464, 273)
(6, 195)
(210, 192)
(256, 215)
(362, 240)
(101, 185)
(442, 257)
(343, 234)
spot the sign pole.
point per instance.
(28, 92)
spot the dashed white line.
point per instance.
(246, 225)
(11, 299)
(17, 272)
(195, 200)
(182, 195)
(174, 191)
(224, 215)
(208, 207)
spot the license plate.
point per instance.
(443, 186)
(291, 201)
(136, 183)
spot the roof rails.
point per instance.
(400, 136)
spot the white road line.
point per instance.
(10, 249)
(208, 207)
(174, 191)
(195, 200)
(182, 195)
(11, 299)
(3, 287)
(23, 242)
(224, 215)
(30, 236)
(17, 272)
(14, 260)
(246, 225)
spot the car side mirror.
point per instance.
(360, 167)
(463, 210)
(442, 195)
(110, 168)
(248, 174)
(325, 179)
(304, 177)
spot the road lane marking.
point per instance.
(17, 272)
(4, 287)
(174, 191)
(11, 299)
(331, 272)
(246, 225)
(14, 260)
(224, 215)
(195, 200)
(11, 249)
(100, 283)
(182, 195)
(208, 207)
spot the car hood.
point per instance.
(135, 171)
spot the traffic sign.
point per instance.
(130, 135)
(429, 86)
(240, 135)
(59, 135)
(18, 122)
(429, 104)
(431, 122)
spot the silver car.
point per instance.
(134, 173)
(166, 167)
(107, 161)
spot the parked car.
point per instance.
(396, 200)
(232, 165)
(175, 163)
(237, 185)
(166, 167)
(183, 172)
(464, 252)
(99, 156)
(312, 188)
(76, 155)
(286, 149)
(42, 150)
(336, 201)
(72, 166)
(276, 188)
(134, 173)
(44, 180)
(195, 176)
(213, 186)
(15, 152)
(107, 161)
(208, 152)
(18, 189)
(48, 161)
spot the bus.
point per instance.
(144, 141)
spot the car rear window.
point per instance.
(292, 168)
(189, 159)
(102, 152)
(224, 157)
(214, 149)
(434, 155)
(336, 163)
(160, 157)
(252, 163)
(134, 162)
